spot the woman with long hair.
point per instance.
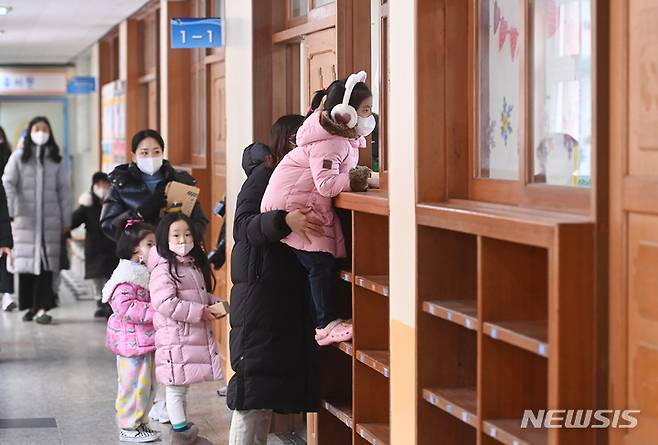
(37, 187)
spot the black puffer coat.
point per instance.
(130, 192)
(273, 350)
(100, 251)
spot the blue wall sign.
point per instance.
(196, 33)
(81, 85)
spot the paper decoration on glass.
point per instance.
(491, 129)
(505, 30)
(506, 120)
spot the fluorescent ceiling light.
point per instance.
(4, 10)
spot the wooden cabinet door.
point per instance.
(217, 141)
(320, 61)
(634, 218)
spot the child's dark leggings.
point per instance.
(321, 276)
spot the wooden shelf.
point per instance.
(529, 335)
(510, 223)
(346, 275)
(458, 402)
(373, 201)
(378, 360)
(375, 433)
(342, 412)
(461, 312)
(375, 283)
(509, 432)
(345, 346)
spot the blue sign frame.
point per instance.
(81, 85)
(196, 33)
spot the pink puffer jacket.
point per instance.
(130, 330)
(310, 175)
(185, 346)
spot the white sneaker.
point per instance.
(142, 434)
(8, 304)
(159, 412)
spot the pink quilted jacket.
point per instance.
(185, 345)
(311, 175)
(130, 329)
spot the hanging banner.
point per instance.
(21, 82)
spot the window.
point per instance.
(535, 104)
(562, 92)
(298, 8)
(502, 58)
(321, 3)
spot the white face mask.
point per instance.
(181, 249)
(149, 165)
(40, 137)
(101, 192)
(365, 125)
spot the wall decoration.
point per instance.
(504, 30)
(490, 135)
(506, 120)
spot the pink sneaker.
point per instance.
(335, 332)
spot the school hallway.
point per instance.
(58, 383)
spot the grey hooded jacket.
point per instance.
(38, 201)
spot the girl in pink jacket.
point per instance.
(186, 352)
(324, 164)
(130, 332)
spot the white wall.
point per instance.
(83, 128)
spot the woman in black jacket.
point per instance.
(100, 256)
(6, 278)
(139, 187)
(273, 349)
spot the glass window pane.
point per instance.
(562, 92)
(320, 3)
(299, 8)
(502, 59)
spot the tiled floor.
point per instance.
(63, 371)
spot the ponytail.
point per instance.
(317, 100)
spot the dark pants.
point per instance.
(321, 277)
(6, 278)
(36, 291)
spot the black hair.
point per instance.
(197, 253)
(130, 237)
(50, 146)
(147, 133)
(283, 130)
(3, 136)
(335, 92)
(99, 177)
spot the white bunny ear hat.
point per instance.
(345, 108)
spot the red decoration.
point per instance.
(503, 33)
(513, 40)
(552, 17)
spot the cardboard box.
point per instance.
(185, 195)
(220, 309)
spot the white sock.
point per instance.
(41, 312)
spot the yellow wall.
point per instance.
(402, 239)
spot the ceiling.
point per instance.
(55, 31)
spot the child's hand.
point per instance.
(303, 225)
(207, 314)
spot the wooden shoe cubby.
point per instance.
(500, 326)
(355, 386)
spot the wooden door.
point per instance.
(217, 141)
(320, 61)
(634, 218)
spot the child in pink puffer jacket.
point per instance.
(186, 352)
(130, 332)
(324, 164)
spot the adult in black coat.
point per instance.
(272, 344)
(6, 278)
(138, 188)
(100, 255)
(6, 238)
